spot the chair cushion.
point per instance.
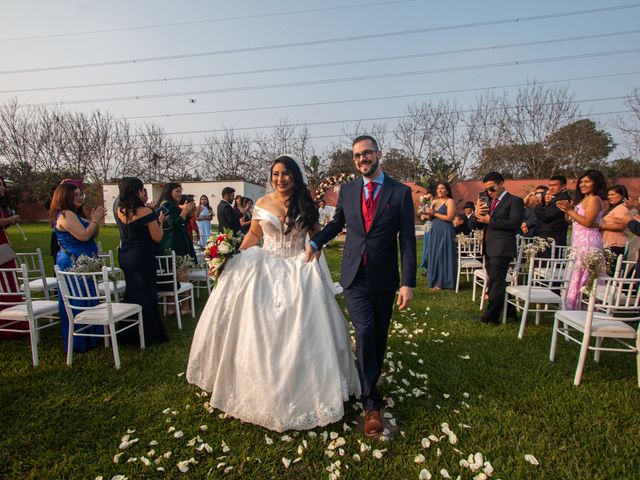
(98, 314)
(40, 307)
(182, 287)
(38, 284)
(599, 326)
(538, 294)
(470, 263)
(120, 286)
(198, 275)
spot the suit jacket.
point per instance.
(227, 217)
(551, 220)
(393, 223)
(500, 233)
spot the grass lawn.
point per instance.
(502, 397)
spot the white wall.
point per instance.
(212, 189)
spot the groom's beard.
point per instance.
(367, 168)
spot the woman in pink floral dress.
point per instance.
(586, 236)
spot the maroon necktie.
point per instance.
(493, 205)
(371, 186)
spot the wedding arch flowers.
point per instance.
(329, 182)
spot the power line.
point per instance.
(323, 41)
(386, 97)
(323, 65)
(341, 79)
(369, 119)
(196, 22)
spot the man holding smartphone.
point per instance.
(501, 213)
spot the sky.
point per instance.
(244, 53)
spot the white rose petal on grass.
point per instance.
(419, 458)
(425, 443)
(132, 459)
(225, 447)
(99, 477)
(424, 474)
(268, 440)
(166, 411)
(145, 461)
(531, 459)
(153, 443)
(178, 434)
(433, 438)
(286, 462)
(481, 476)
(285, 438)
(444, 473)
(171, 429)
(118, 477)
(378, 453)
(160, 469)
(465, 357)
(312, 434)
(180, 374)
(203, 428)
(356, 457)
(116, 457)
(183, 466)
(488, 468)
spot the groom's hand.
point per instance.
(311, 254)
(405, 295)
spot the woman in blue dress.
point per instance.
(442, 240)
(204, 215)
(75, 235)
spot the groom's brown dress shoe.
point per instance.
(372, 423)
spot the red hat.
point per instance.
(76, 183)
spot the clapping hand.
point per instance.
(98, 214)
(631, 204)
(564, 205)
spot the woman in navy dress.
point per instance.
(442, 266)
(140, 233)
(76, 236)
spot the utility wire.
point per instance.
(322, 41)
(387, 97)
(196, 22)
(323, 65)
(340, 79)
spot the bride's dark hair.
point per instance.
(301, 209)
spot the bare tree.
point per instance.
(417, 133)
(630, 126)
(163, 158)
(227, 156)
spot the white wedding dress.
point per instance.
(272, 344)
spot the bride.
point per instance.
(272, 344)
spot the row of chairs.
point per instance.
(30, 299)
(612, 307)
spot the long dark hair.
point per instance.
(620, 190)
(599, 185)
(64, 199)
(129, 199)
(447, 187)
(4, 200)
(301, 209)
(165, 196)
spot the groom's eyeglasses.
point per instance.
(365, 154)
(491, 189)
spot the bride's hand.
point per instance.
(311, 254)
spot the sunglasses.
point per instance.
(491, 189)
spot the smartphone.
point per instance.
(186, 198)
(484, 198)
(162, 209)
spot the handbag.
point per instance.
(7, 253)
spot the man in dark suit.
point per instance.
(378, 212)
(502, 219)
(551, 220)
(469, 212)
(227, 216)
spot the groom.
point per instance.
(378, 213)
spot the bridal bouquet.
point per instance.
(219, 250)
(86, 264)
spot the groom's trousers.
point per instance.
(370, 314)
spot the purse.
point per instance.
(7, 253)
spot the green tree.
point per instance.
(577, 147)
(511, 160)
(340, 161)
(400, 166)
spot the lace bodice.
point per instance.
(275, 241)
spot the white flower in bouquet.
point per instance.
(86, 264)
(224, 248)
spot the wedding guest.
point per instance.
(326, 212)
(502, 219)
(204, 215)
(227, 218)
(140, 232)
(237, 205)
(460, 224)
(633, 224)
(76, 236)
(529, 227)
(175, 236)
(586, 237)
(470, 215)
(428, 198)
(614, 237)
(552, 222)
(7, 219)
(247, 215)
(442, 258)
